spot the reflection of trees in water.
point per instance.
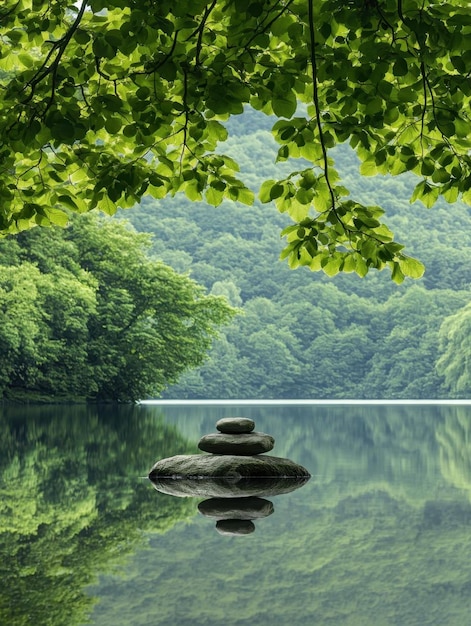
(400, 448)
(454, 437)
(392, 446)
(385, 542)
(375, 537)
(72, 504)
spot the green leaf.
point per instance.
(265, 191)
(246, 196)
(411, 267)
(396, 274)
(276, 191)
(284, 105)
(102, 49)
(63, 130)
(81, 36)
(349, 263)
(400, 67)
(26, 59)
(289, 229)
(107, 205)
(360, 266)
(113, 125)
(56, 216)
(368, 168)
(192, 190)
(332, 266)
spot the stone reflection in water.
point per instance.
(235, 516)
(231, 501)
(234, 476)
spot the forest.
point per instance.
(301, 334)
(180, 299)
(86, 314)
(222, 126)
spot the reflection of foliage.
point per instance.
(388, 441)
(454, 437)
(61, 522)
(376, 536)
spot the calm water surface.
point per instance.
(380, 535)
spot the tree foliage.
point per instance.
(454, 363)
(103, 102)
(85, 312)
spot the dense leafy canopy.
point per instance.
(103, 102)
(86, 313)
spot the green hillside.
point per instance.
(303, 334)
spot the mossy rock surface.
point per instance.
(227, 476)
(242, 444)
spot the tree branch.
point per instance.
(315, 98)
(59, 46)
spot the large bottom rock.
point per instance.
(228, 466)
(227, 476)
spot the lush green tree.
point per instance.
(406, 334)
(103, 102)
(145, 311)
(455, 361)
(21, 323)
(86, 312)
(229, 290)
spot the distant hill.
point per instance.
(302, 334)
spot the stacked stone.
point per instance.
(234, 474)
(236, 436)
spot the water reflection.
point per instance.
(233, 504)
(72, 504)
(236, 516)
(380, 535)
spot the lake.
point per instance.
(380, 534)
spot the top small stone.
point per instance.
(233, 425)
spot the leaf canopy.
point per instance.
(103, 102)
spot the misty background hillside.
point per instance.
(302, 334)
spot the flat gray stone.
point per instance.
(244, 444)
(236, 508)
(235, 527)
(227, 476)
(235, 425)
